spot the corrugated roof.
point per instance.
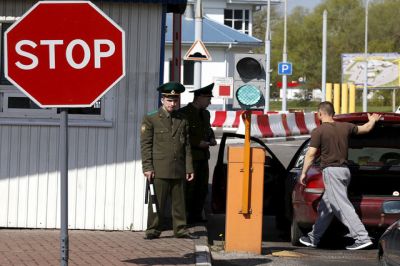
(213, 33)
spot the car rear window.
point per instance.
(377, 149)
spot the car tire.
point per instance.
(295, 233)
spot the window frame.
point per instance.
(243, 20)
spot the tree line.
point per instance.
(345, 34)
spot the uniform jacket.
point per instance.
(165, 149)
(200, 129)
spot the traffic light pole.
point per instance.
(267, 59)
(198, 29)
(284, 59)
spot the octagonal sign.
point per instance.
(64, 53)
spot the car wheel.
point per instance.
(295, 233)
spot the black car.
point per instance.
(274, 179)
(389, 243)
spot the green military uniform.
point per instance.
(200, 130)
(166, 151)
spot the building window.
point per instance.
(188, 72)
(14, 103)
(238, 19)
(3, 27)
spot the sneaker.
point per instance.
(306, 241)
(357, 246)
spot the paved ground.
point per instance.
(41, 247)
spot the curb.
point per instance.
(202, 251)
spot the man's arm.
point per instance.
(211, 135)
(369, 125)
(308, 160)
(146, 145)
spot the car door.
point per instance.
(293, 172)
(393, 245)
(274, 175)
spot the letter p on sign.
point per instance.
(285, 68)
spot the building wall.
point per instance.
(106, 184)
(214, 9)
(221, 65)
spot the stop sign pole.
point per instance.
(64, 54)
(64, 239)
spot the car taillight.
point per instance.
(315, 184)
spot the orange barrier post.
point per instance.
(247, 159)
(243, 231)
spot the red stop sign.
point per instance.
(64, 54)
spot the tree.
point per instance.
(345, 35)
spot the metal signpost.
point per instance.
(64, 54)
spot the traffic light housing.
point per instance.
(249, 81)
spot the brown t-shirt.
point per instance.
(333, 141)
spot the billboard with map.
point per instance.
(383, 69)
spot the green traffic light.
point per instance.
(248, 95)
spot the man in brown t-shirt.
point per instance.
(332, 139)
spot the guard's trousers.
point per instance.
(335, 202)
(197, 189)
(163, 188)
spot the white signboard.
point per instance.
(383, 69)
(223, 87)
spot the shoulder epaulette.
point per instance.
(152, 112)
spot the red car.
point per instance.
(374, 161)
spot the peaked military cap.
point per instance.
(205, 91)
(171, 89)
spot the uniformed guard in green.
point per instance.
(167, 160)
(201, 138)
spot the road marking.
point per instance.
(286, 253)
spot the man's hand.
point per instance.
(149, 175)
(374, 117)
(189, 176)
(369, 125)
(204, 144)
(303, 179)
(213, 142)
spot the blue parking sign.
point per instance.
(285, 68)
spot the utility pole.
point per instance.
(267, 58)
(324, 37)
(284, 59)
(365, 90)
(198, 30)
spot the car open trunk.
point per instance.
(381, 183)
